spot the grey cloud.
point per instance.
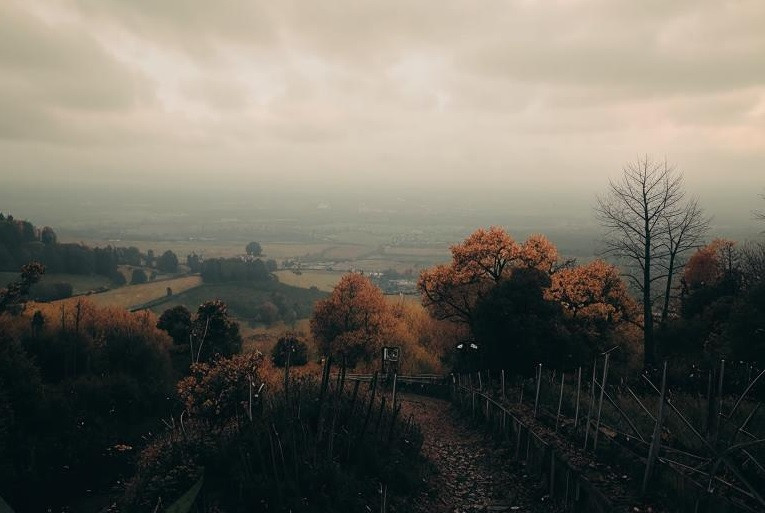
(453, 89)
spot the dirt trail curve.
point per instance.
(470, 472)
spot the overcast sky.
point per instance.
(506, 94)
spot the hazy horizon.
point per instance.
(509, 113)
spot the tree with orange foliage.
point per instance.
(353, 321)
(485, 258)
(594, 291)
(709, 264)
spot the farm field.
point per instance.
(438, 252)
(134, 295)
(230, 248)
(322, 280)
(244, 298)
(81, 283)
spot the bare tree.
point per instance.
(685, 230)
(648, 224)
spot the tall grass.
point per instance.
(291, 443)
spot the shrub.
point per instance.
(138, 277)
(291, 345)
(220, 390)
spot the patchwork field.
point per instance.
(215, 248)
(134, 295)
(244, 298)
(322, 280)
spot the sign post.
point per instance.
(390, 359)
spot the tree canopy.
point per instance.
(254, 249)
(495, 285)
(353, 321)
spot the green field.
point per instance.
(244, 298)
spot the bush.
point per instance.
(292, 345)
(286, 458)
(138, 277)
(74, 385)
(51, 291)
(176, 322)
(213, 333)
(221, 390)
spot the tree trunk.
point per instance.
(668, 288)
(648, 342)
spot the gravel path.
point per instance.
(471, 472)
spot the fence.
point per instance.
(681, 447)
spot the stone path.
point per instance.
(471, 473)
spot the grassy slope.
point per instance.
(322, 280)
(243, 298)
(132, 295)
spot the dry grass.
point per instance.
(133, 295)
(436, 252)
(322, 280)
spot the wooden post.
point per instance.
(373, 389)
(560, 400)
(592, 404)
(710, 406)
(393, 398)
(719, 399)
(600, 403)
(480, 383)
(653, 451)
(578, 390)
(539, 382)
(502, 373)
(287, 376)
(380, 414)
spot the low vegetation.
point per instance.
(251, 442)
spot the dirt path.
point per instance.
(471, 473)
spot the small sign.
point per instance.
(391, 354)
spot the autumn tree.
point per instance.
(480, 262)
(214, 333)
(648, 225)
(516, 325)
(709, 264)
(220, 390)
(290, 348)
(353, 321)
(594, 290)
(15, 293)
(176, 321)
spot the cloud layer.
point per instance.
(505, 93)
